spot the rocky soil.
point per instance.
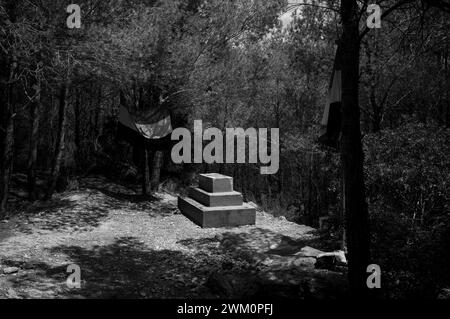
(128, 246)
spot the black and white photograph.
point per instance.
(225, 155)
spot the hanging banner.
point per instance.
(331, 119)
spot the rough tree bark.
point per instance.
(35, 114)
(77, 113)
(99, 114)
(146, 186)
(157, 161)
(60, 141)
(356, 212)
(6, 164)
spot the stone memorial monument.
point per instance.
(215, 204)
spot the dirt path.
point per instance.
(131, 247)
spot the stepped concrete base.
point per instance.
(220, 216)
(216, 199)
(215, 183)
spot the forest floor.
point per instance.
(128, 246)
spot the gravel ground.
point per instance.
(128, 246)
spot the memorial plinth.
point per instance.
(215, 204)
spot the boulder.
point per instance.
(10, 270)
(332, 261)
(309, 252)
(305, 262)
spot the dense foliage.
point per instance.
(407, 176)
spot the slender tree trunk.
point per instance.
(447, 95)
(376, 122)
(77, 130)
(97, 119)
(136, 154)
(157, 162)
(356, 213)
(146, 186)
(7, 158)
(7, 162)
(99, 114)
(377, 108)
(8, 141)
(35, 113)
(311, 220)
(446, 115)
(60, 141)
(279, 175)
(344, 230)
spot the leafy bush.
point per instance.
(407, 172)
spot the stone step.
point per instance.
(215, 183)
(232, 198)
(221, 216)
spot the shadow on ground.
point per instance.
(124, 269)
(61, 214)
(273, 268)
(82, 212)
(258, 242)
(128, 269)
(152, 205)
(133, 198)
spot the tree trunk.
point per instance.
(146, 186)
(8, 141)
(447, 95)
(158, 157)
(60, 141)
(7, 158)
(35, 113)
(77, 130)
(356, 213)
(377, 108)
(98, 118)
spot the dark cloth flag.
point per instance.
(150, 128)
(331, 120)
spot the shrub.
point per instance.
(407, 172)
